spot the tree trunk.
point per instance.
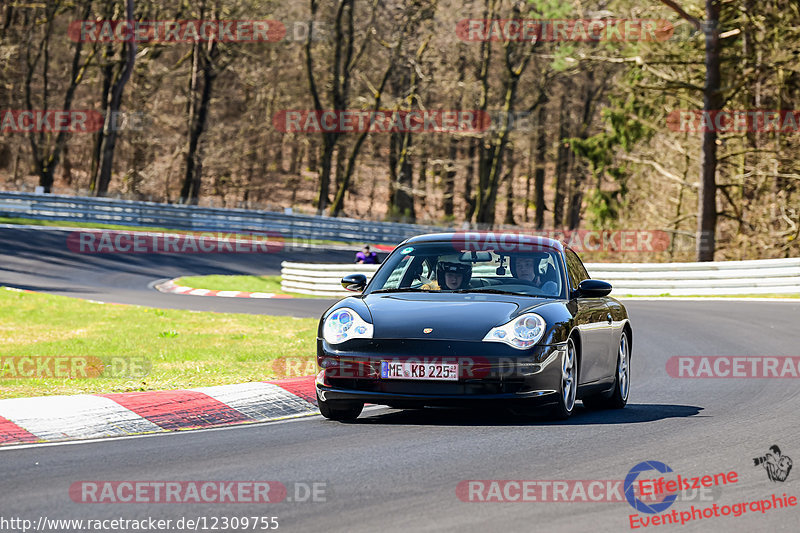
(97, 150)
(511, 164)
(469, 177)
(192, 180)
(712, 102)
(313, 157)
(449, 181)
(541, 162)
(562, 164)
(422, 180)
(341, 154)
(45, 161)
(109, 129)
(402, 204)
(295, 156)
(575, 202)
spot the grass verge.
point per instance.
(183, 348)
(96, 225)
(239, 283)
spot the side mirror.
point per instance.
(354, 282)
(592, 288)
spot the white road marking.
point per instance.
(181, 434)
(259, 401)
(77, 417)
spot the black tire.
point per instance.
(341, 410)
(569, 383)
(622, 384)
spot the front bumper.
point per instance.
(532, 377)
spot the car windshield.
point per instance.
(445, 268)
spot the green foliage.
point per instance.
(624, 131)
(554, 10)
(550, 9)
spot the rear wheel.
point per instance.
(569, 383)
(341, 410)
(622, 383)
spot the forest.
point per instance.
(659, 115)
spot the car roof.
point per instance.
(488, 236)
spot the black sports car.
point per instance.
(454, 318)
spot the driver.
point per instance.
(451, 274)
(525, 268)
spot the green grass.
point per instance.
(182, 348)
(79, 224)
(239, 283)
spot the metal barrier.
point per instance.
(778, 276)
(188, 217)
(729, 277)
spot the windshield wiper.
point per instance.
(401, 289)
(492, 291)
(512, 293)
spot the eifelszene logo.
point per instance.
(656, 495)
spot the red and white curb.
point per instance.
(172, 287)
(88, 416)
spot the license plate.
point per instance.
(432, 371)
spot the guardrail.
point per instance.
(778, 276)
(296, 227)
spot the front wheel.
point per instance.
(569, 383)
(341, 410)
(622, 383)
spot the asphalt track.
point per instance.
(398, 470)
(40, 260)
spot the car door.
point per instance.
(593, 321)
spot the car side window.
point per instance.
(575, 269)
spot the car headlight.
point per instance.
(521, 333)
(345, 324)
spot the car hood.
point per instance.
(449, 316)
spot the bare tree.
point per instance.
(114, 83)
(712, 102)
(46, 150)
(342, 65)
